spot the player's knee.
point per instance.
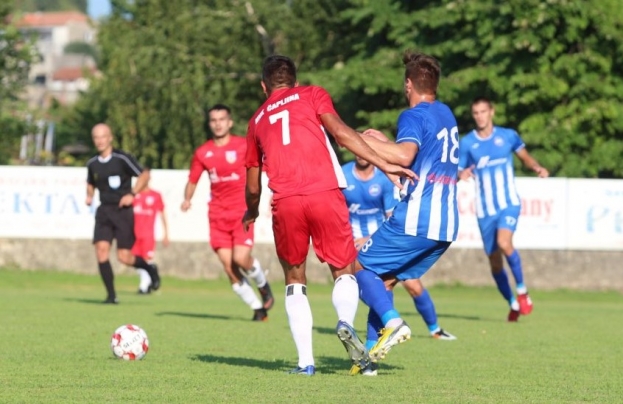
(243, 260)
(125, 257)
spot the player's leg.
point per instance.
(506, 229)
(333, 243)
(243, 242)
(501, 280)
(488, 230)
(383, 254)
(425, 306)
(124, 233)
(291, 233)
(141, 249)
(239, 283)
(102, 238)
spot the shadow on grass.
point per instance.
(325, 330)
(99, 302)
(277, 365)
(201, 315)
(324, 364)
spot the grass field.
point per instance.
(204, 349)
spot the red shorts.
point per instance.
(228, 232)
(144, 247)
(324, 218)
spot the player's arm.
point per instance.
(141, 182)
(165, 228)
(253, 186)
(196, 169)
(396, 153)
(90, 193)
(466, 164)
(531, 163)
(350, 139)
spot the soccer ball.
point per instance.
(129, 342)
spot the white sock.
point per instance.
(246, 293)
(144, 280)
(301, 322)
(345, 298)
(257, 274)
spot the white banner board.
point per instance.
(557, 213)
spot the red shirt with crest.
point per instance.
(227, 172)
(147, 204)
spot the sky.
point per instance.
(98, 8)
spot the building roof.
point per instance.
(51, 19)
(70, 73)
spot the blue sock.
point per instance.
(425, 306)
(374, 326)
(514, 261)
(372, 292)
(501, 279)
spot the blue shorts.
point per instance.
(504, 219)
(390, 252)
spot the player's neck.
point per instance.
(415, 99)
(364, 173)
(223, 140)
(106, 152)
(485, 132)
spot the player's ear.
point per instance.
(264, 87)
(296, 84)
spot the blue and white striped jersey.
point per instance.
(492, 158)
(369, 201)
(429, 208)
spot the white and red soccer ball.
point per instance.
(129, 342)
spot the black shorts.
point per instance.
(113, 222)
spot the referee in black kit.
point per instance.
(111, 172)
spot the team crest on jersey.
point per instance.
(498, 141)
(374, 190)
(114, 181)
(231, 156)
(149, 200)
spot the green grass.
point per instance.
(204, 349)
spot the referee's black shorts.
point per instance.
(113, 222)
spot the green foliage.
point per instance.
(51, 5)
(165, 63)
(552, 68)
(82, 48)
(16, 55)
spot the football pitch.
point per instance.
(204, 348)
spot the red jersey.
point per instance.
(147, 204)
(286, 134)
(228, 175)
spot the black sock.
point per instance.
(139, 262)
(108, 277)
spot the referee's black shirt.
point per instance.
(112, 176)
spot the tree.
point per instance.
(165, 63)
(16, 54)
(553, 69)
(51, 5)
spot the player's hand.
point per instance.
(89, 200)
(126, 200)
(377, 134)
(165, 241)
(542, 172)
(248, 219)
(185, 205)
(467, 173)
(395, 173)
(359, 242)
